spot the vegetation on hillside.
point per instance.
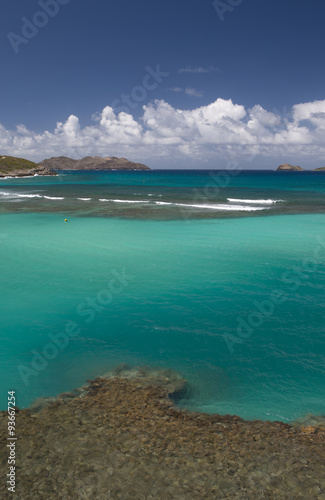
(9, 164)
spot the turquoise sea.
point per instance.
(219, 276)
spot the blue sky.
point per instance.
(214, 72)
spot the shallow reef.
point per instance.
(121, 437)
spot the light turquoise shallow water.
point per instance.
(168, 293)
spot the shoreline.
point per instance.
(121, 436)
(176, 387)
(3, 177)
(178, 391)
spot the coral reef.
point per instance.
(121, 437)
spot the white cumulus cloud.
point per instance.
(221, 129)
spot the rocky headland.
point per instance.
(91, 163)
(122, 437)
(11, 166)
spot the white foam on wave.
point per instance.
(19, 195)
(237, 205)
(258, 202)
(20, 176)
(124, 201)
(2, 193)
(129, 201)
(54, 197)
(15, 177)
(28, 195)
(237, 208)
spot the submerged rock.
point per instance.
(41, 403)
(310, 421)
(120, 437)
(169, 380)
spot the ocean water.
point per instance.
(167, 195)
(220, 278)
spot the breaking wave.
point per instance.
(221, 206)
(258, 202)
(14, 196)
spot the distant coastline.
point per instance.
(286, 167)
(11, 166)
(91, 163)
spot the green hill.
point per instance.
(10, 165)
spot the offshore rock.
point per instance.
(287, 166)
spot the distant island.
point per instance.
(287, 167)
(92, 163)
(11, 166)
